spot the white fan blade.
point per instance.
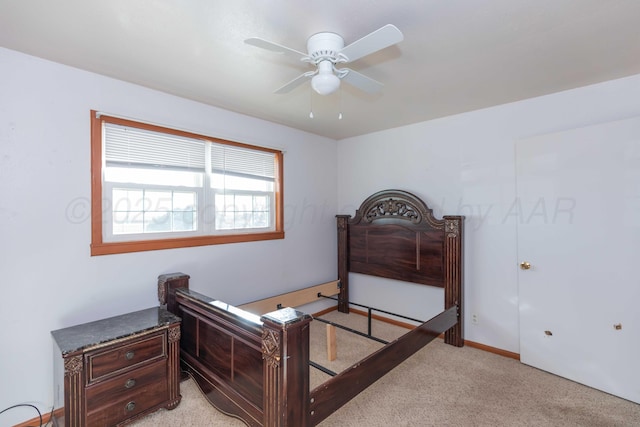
(373, 42)
(296, 82)
(360, 81)
(274, 47)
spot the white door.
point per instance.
(578, 214)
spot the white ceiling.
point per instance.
(457, 55)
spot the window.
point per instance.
(159, 188)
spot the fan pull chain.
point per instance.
(311, 103)
(340, 106)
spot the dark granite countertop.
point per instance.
(77, 338)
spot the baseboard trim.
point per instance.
(45, 419)
(494, 350)
(325, 311)
(472, 344)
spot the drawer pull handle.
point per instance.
(131, 406)
(129, 355)
(130, 383)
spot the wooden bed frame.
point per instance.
(255, 366)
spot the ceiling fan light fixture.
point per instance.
(325, 84)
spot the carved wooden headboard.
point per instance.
(395, 235)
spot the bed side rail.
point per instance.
(292, 299)
(334, 393)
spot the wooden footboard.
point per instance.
(252, 367)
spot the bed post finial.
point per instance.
(167, 285)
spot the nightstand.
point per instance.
(114, 370)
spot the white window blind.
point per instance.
(129, 146)
(243, 162)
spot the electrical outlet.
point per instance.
(474, 319)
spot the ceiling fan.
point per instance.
(326, 51)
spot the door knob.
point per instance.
(525, 265)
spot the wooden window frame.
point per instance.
(100, 247)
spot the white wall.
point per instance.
(50, 281)
(465, 164)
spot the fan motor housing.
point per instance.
(324, 46)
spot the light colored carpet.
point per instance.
(440, 385)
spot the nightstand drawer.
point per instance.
(127, 405)
(148, 379)
(113, 361)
